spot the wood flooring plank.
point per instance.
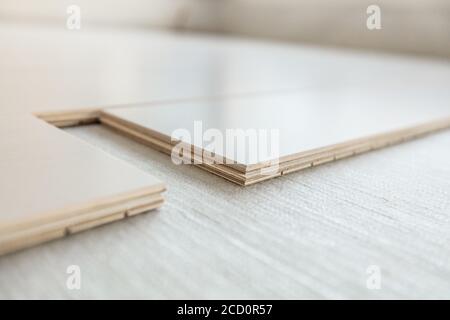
(319, 138)
(51, 181)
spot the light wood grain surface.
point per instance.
(309, 235)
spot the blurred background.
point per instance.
(408, 26)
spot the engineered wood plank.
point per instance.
(51, 181)
(315, 125)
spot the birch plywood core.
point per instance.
(315, 126)
(53, 185)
